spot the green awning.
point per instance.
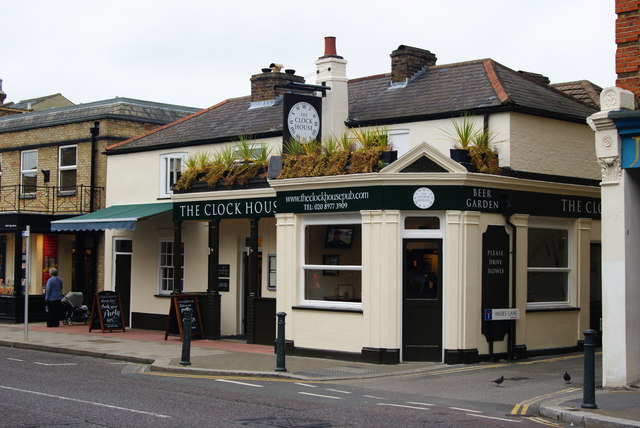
(114, 217)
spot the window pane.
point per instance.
(68, 180)
(422, 223)
(548, 248)
(29, 160)
(68, 156)
(547, 286)
(345, 241)
(29, 182)
(124, 245)
(333, 285)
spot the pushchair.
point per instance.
(74, 310)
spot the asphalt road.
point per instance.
(39, 389)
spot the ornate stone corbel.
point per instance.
(611, 168)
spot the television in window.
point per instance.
(339, 237)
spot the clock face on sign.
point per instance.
(303, 121)
(423, 198)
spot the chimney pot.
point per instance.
(330, 46)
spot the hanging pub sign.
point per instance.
(302, 118)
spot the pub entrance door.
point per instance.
(422, 300)
(123, 251)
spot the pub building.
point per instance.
(423, 259)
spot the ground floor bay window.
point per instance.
(332, 264)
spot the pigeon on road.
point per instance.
(567, 377)
(498, 381)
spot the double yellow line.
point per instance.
(523, 407)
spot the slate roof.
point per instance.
(116, 108)
(583, 90)
(438, 92)
(26, 104)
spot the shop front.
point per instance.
(402, 266)
(46, 250)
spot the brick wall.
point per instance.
(627, 40)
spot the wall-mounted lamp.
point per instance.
(46, 174)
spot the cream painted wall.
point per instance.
(547, 330)
(145, 261)
(134, 178)
(552, 146)
(346, 332)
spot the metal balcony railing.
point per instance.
(50, 199)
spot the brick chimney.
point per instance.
(407, 61)
(263, 84)
(627, 40)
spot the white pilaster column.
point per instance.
(620, 293)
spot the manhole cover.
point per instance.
(287, 423)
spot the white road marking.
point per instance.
(401, 405)
(338, 391)
(15, 359)
(54, 364)
(110, 406)
(305, 384)
(465, 410)
(420, 404)
(320, 396)
(239, 383)
(374, 397)
(498, 419)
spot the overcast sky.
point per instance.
(200, 52)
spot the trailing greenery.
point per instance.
(233, 166)
(355, 153)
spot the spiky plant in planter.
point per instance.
(482, 155)
(372, 142)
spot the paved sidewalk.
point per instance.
(616, 408)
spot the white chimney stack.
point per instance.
(332, 72)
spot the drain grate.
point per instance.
(286, 423)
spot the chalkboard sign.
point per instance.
(106, 313)
(223, 284)
(180, 302)
(224, 271)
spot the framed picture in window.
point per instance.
(330, 259)
(339, 237)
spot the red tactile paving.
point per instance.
(157, 336)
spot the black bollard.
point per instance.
(186, 338)
(280, 364)
(589, 388)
